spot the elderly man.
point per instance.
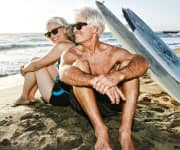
(91, 68)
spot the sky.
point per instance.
(24, 16)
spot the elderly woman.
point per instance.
(41, 72)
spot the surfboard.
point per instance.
(155, 46)
(130, 41)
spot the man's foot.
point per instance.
(102, 142)
(22, 101)
(126, 141)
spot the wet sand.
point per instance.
(42, 126)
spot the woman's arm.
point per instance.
(46, 60)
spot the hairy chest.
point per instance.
(101, 63)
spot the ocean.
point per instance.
(19, 49)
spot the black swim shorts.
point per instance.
(104, 104)
(60, 93)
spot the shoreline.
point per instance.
(11, 81)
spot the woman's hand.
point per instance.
(22, 70)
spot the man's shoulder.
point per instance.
(113, 47)
(119, 49)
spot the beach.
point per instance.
(43, 126)
(37, 28)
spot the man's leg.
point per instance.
(87, 100)
(131, 91)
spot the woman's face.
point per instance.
(54, 32)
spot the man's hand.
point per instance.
(115, 95)
(104, 82)
(113, 92)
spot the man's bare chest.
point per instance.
(100, 63)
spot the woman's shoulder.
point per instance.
(64, 45)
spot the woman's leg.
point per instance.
(53, 72)
(33, 93)
(45, 83)
(29, 83)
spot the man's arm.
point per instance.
(71, 73)
(136, 67)
(77, 76)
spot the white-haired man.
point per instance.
(90, 69)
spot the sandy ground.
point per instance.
(42, 126)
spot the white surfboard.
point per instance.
(153, 44)
(158, 71)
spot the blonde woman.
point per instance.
(41, 73)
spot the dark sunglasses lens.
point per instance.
(48, 34)
(80, 25)
(55, 31)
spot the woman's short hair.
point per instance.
(92, 17)
(58, 20)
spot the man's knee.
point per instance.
(119, 66)
(131, 88)
(82, 65)
(131, 83)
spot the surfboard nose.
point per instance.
(99, 3)
(126, 16)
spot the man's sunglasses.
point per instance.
(79, 25)
(53, 31)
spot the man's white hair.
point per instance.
(58, 20)
(92, 17)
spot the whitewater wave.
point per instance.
(21, 46)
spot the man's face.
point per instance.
(82, 31)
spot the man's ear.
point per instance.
(95, 29)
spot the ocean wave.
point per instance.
(174, 44)
(18, 49)
(21, 46)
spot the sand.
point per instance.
(42, 126)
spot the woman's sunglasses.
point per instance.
(79, 25)
(53, 31)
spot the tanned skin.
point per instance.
(89, 66)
